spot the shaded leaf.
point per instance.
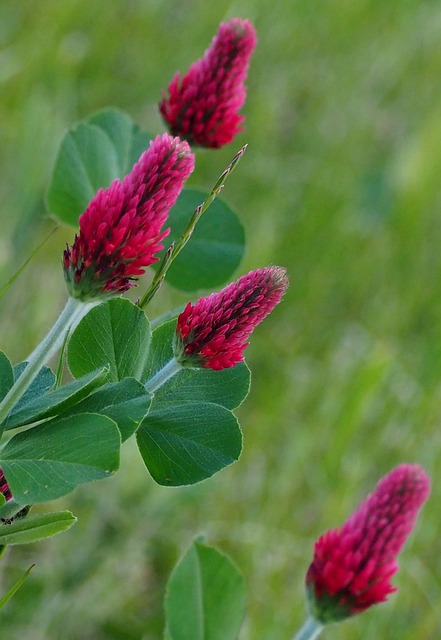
(228, 387)
(125, 402)
(86, 161)
(205, 597)
(93, 153)
(115, 334)
(117, 125)
(34, 528)
(38, 403)
(126, 136)
(50, 460)
(184, 444)
(215, 249)
(6, 375)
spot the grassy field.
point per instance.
(341, 184)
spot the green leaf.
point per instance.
(115, 334)
(92, 155)
(127, 138)
(118, 127)
(205, 597)
(51, 459)
(215, 249)
(184, 444)
(44, 381)
(125, 402)
(34, 528)
(6, 375)
(140, 142)
(228, 387)
(86, 161)
(15, 587)
(37, 405)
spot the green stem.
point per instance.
(176, 247)
(72, 313)
(310, 630)
(168, 371)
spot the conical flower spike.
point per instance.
(213, 333)
(121, 229)
(4, 487)
(203, 105)
(353, 565)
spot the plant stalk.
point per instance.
(310, 630)
(168, 371)
(70, 316)
(176, 247)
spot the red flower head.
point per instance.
(4, 487)
(203, 105)
(120, 231)
(353, 565)
(213, 333)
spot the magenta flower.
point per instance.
(353, 565)
(121, 229)
(213, 333)
(4, 487)
(203, 105)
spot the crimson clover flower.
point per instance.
(213, 333)
(353, 565)
(4, 487)
(203, 105)
(121, 229)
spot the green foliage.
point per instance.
(34, 528)
(6, 375)
(92, 154)
(104, 147)
(205, 597)
(186, 443)
(40, 402)
(87, 161)
(125, 402)
(50, 460)
(228, 387)
(115, 334)
(40, 385)
(127, 139)
(346, 374)
(189, 433)
(215, 249)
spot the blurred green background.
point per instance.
(340, 183)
